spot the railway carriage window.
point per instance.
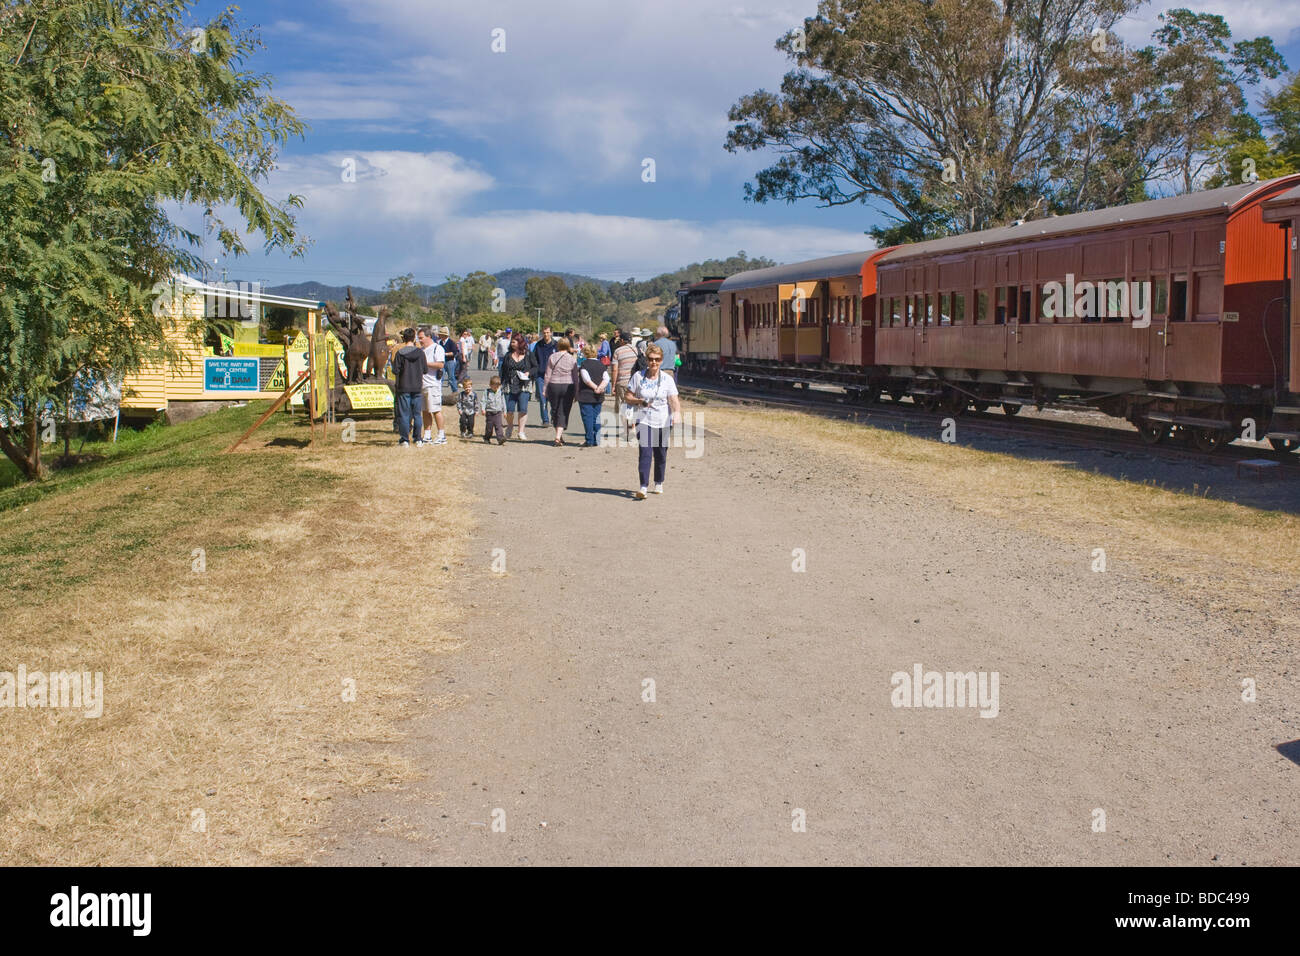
(1178, 305)
(945, 309)
(895, 312)
(1115, 290)
(981, 307)
(1000, 313)
(958, 308)
(1042, 308)
(1160, 295)
(911, 311)
(1013, 301)
(1026, 304)
(929, 310)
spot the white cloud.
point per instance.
(391, 189)
(615, 247)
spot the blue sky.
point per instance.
(467, 158)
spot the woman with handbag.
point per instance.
(517, 371)
(561, 382)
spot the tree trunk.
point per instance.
(28, 464)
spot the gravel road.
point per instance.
(772, 686)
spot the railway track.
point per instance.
(890, 414)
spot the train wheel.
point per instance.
(873, 395)
(928, 403)
(1010, 410)
(1208, 439)
(896, 395)
(954, 403)
(1152, 433)
(981, 406)
(1284, 444)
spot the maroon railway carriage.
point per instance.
(811, 321)
(1283, 210)
(1186, 328)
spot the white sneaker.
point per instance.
(640, 495)
(419, 444)
(428, 436)
(440, 440)
(659, 489)
(522, 436)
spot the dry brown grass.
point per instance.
(224, 689)
(1226, 555)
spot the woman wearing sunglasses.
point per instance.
(654, 394)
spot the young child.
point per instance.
(467, 404)
(494, 410)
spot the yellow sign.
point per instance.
(299, 344)
(276, 384)
(256, 348)
(369, 396)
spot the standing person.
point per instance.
(503, 346)
(544, 349)
(494, 409)
(561, 376)
(435, 359)
(484, 346)
(411, 367)
(622, 366)
(603, 350)
(452, 353)
(517, 371)
(466, 350)
(467, 404)
(655, 394)
(593, 379)
(669, 349)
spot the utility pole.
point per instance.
(539, 323)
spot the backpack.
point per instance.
(641, 363)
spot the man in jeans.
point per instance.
(544, 349)
(410, 366)
(434, 362)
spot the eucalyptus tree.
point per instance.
(117, 114)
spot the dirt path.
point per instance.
(773, 687)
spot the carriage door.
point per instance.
(1169, 293)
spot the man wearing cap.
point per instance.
(621, 369)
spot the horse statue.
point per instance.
(378, 345)
(358, 348)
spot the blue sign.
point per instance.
(230, 374)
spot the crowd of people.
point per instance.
(638, 373)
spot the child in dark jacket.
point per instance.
(467, 403)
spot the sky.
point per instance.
(467, 157)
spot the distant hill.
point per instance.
(512, 280)
(321, 292)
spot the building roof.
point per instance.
(826, 268)
(1173, 207)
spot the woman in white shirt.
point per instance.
(655, 396)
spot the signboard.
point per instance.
(369, 396)
(222, 374)
(257, 348)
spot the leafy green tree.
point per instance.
(111, 109)
(402, 296)
(958, 115)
